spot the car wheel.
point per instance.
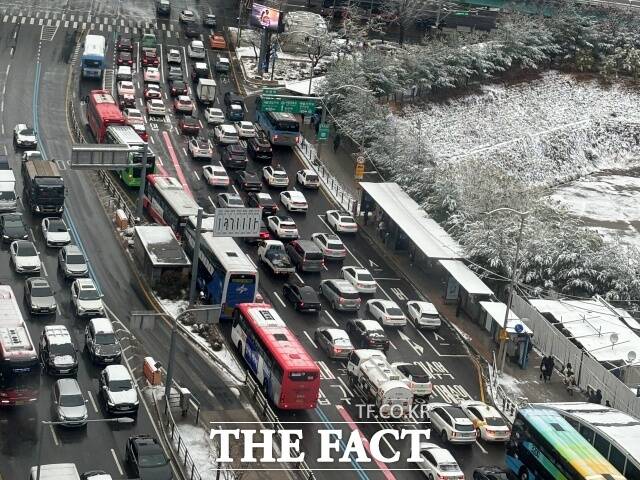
(523, 475)
(443, 436)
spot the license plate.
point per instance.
(19, 402)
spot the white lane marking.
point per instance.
(93, 402)
(152, 140)
(235, 189)
(209, 197)
(298, 277)
(310, 339)
(481, 447)
(391, 343)
(278, 297)
(185, 151)
(53, 434)
(331, 318)
(117, 462)
(388, 279)
(44, 269)
(345, 386)
(196, 175)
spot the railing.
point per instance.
(179, 446)
(117, 198)
(267, 412)
(335, 188)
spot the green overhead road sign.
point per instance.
(288, 105)
(323, 131)
(269, 91)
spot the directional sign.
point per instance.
(99, 156)
(323, 132)
(288, 105)
(237, 222)
(269, 91)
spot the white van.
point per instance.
(56, 471)
(196, 49)
(124, 73)
(8, 199)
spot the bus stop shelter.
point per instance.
(518, 334)
(160, 255)
(465, 287)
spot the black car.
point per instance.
(189, 125)
(303, 297)
(367, 334)
(249, 181)
(12, 227)
(191, 30)
(263, 200)
(490, 473)
(209, 20)
(58, 354)
(234, 156)
(146, 457)
(259, 147)
(233, 98)
(178, 87)
(200, 70)
(163, 8)
(125, 44)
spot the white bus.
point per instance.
(168, 203)
(93, 57)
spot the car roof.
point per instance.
(38, 281)
(264, 196)
(102, 324)
(228, 128)
(184, 98)
(483, 408)
(86, 283)
(295, 194)
(336, 332)
(118, 372)
(24, 243)
(371, 324)
(425, 307)
(342, 284)
(69, 386)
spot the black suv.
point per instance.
(147, 459)
(367, 334)
(101, 342)
(249, 181)
(259, 147)
(163, 8)
(234, 156)
(303, 297)
(12, 227)
(57, 352)
(178, 87)
(199, 70)
(263, 200)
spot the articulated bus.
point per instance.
(288, 374)
(126, 135)
(281, 128)
(19, 363)
(226, 275)
(102, 111)
(545, 446)
(92, 61)
(168, 203)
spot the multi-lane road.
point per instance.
(35, 74)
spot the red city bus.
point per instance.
(102, 111)
(290, 377)
(19, 363)
(168, 203)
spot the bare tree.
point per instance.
(318, 47)
(404, 13)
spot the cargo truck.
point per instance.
(206, 91)
(7, 191)
(44, 188)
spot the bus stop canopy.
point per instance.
(468, 280)
(496, 310)
(424, 232)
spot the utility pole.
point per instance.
(143, 181)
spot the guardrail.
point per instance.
(267, 412)
(334, 187)
(117, 199)
(180, 447)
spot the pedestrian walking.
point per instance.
(543, 369)
(336, 142)
(607, 404)
(550, 366)
(381, 227)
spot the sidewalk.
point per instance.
(515, 385)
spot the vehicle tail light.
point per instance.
(337, 350)
(322, 263)
(301, 304)
(341, 300)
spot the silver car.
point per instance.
(69, 405)
(72, 262)
(24, 257)
(334, 341)
(118, 391)
(341, 294)
(39, 297)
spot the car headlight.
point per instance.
(81, 308)
(110, 403)
(5, 236)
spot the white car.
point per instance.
(86, 299)
(214, 116)
(126, 88)
(415, 378)
(184, 104)
(195, 49)
(283, 227)
(387, 312)
(151, 74)
(294, 201)
(55, 232)
(245, 129)
(200, 148)
(341, 221)
(487, 420)
(24, 136)
(360, 278)
(24, 257)
(133, 116)
(156, 107)
(437, 462)
(275, 176)
(424, 315)
(308, 178)
(31, 155)
(451, 423)
(173, 56)
(330, 244)
(152, 90)
(216, 175)
(230, 200)
(187, 16)
(225, 134)
(124, 73)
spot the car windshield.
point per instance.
(104, 338)
(449, 467)
(334, 245)
(7, 196)
(26, 250)
(74, 400)
(35, 156)
(347, 219)
(278, 174)
(57, 226)
(394, 311)
(120, 385)
(59, 349)
(89, 294)
(364, 277)
(152, 459)
(235, 201)
(495, 422)
(342, 342)
(41, 291)
(219, 173)
(13, 222)
(134, 114)
(349, 295)
(465, 428)
(27, 132)
(75, 259)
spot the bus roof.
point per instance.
(94, 45)
(106, 106)
(569, 443)
(172, 191)
(14, 336)
(282, 116)
(273, 332)
(125, 134)
(228, 253)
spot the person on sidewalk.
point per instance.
(543, 369)
(336, 142)
(596, 397)
(549, 367)
(569, 379)
(381, 228)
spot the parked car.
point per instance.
(215, 175)
(230, 200)
(423, 314)
(24, 257)
(451, 423)
(387, 312)
(341, 222)
(72, 262)
(146, 457)
(118, 391)
(334, 342)
(55, 232)
(330, 244)
(262, 200)
(283, 227)
(39, 297)
(12, 227)
(294, 201)
(367, 334)
(437, 462)
(303, 297)
(487, 421)
(69, 405)
(189, 125)
(308, 178)
(101, 342)
(360, 278)
(340, 294)
(248, 181)
(86, 299)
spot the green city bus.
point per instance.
(126, 135)
(545, 446)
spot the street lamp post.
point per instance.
(43, 423)
(143, 181)
(502, 352)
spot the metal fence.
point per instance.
(179, 446)
(335, 188)
(591, 374)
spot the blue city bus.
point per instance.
(93, 56)
(281, 128)
(226, 275)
